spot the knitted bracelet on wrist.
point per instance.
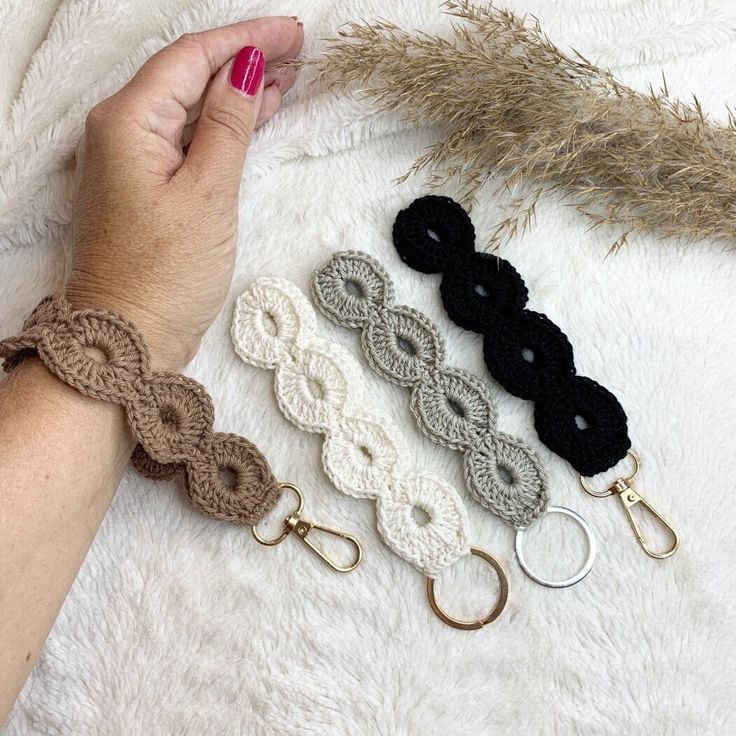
(575, 417)
(451, 406)
(319, 389)
(102, 355)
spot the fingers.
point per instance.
(277, 82)
(270, 104)
(294, 50)
(165, 96)
(283, 76)
(223, 132)
(182, 70)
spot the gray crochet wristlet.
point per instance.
(451, 406)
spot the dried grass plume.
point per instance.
(518, 111)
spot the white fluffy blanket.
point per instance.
(179, 624)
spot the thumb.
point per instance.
(227, 120)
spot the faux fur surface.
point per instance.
(179, 624)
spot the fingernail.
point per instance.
(293, 17)
(247, 71)
(300, 24)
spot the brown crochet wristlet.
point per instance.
(102, 355)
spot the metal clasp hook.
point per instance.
(294, 523)
(630, 497)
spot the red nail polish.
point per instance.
(247, 71)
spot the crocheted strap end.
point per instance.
(433, 232)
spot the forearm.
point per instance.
(154, 227)
(61, 458)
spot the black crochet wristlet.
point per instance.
(525, 351)
(529, 355)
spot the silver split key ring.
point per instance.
(587, 565)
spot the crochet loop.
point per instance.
(248, 469)
(602, 441)
(495, 285)
(401, 345)
(528, 355)
(358, 290)
(453, 408)
(524, 351)
(171, 417)
(362, 454)
(431, 242)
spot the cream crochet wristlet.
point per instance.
(319, 387)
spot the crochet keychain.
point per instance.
(103, 356)
(319, 388)
(524, 351)
(451, 406)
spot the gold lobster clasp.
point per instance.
(294, 523)
(630, 498)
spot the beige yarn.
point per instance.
(103, 356)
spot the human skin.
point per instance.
(155, 236)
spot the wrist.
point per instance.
(166, 351)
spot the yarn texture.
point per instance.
(319, 389)
(451, 406)
(102, 355)
(529, 355)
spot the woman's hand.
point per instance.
(154, 238)
(159, 170)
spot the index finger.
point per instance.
(182, 70)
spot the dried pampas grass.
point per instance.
(517, 109)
